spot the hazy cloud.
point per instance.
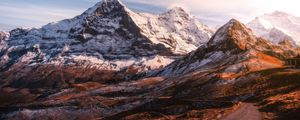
(34, 13)
(220, 11)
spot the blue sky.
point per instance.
(35, 13)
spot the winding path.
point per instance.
(246, 112)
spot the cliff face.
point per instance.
(108, 36)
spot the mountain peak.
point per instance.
(276, 27)
(110, 5)
(233, 21)
(230, 45)
(106, 6)
(178, 11)
(232, 35)
(279, 13)
(110, 36)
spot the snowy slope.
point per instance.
(232, 49)
(108, 36)
(277, 26)
(175, 28)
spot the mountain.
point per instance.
(234, 48)
(108, 36)
(277, 26)
(233, 70)
(176, 29)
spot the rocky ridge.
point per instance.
(107, 36)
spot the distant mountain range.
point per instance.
(277, 26)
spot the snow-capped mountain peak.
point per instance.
(109, 36)
(175, 29)
(232, 35)
(265, 24)
(277, 26)
(180, 12)
(233, 48)
(107, 6)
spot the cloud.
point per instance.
(34, 13)
(210, 11)
(223, 10)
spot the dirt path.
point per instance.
(246, 112)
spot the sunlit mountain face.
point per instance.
(122, 60)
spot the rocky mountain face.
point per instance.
(108, 36)
(175, 28)
(75, 69)
(3, 36)
(234, 47)
(276, 27)
(233, 67)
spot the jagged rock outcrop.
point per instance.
(175, 28)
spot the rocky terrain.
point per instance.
(234, 46)
(54, 72)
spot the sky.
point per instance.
(35, 13)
